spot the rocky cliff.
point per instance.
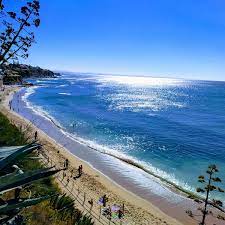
(26, 71)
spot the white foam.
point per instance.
(29, 91)
(62, 85)
(118, 154)
(52, 78)
(64, 93)
(38, 110)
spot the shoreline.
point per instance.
(109, 183)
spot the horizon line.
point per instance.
(135, 75)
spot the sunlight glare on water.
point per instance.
(140, 80)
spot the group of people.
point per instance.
(10, 104)
(80, 169)
(103, 200)
(111, 212)
(114, 211)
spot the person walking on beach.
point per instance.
(91, 202)
(66, 164)
(10, 105)
(64, 175)
(71, 173)
(80, 170)
(104, 200)
(35, 135)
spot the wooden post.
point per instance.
(100, 212)
(91, 203)
(72, 185)
(76, 195)
(78, 191)
(84, 198)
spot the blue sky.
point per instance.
(177, 38)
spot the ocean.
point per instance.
(173, 128)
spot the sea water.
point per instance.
(174, 128)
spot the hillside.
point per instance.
(27, 71)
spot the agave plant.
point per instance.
(59, 202)
(66, 210)
(64, 206)
(16, 179)
(17, 154)
(85, 220)
(18, 220)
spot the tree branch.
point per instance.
(15, 52)
(15, 37)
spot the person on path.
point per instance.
(66, 164)
(35, 135)
(80, 170)
(104, 200)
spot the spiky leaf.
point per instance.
(216, 179)
(11, 205)
(85, 220)
(28, 177)
(19, 154)
(220, 190)
(200, 190)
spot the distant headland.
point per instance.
(17, 72)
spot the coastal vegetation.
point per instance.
(16, 37)
(25, 182)
(15, 73)
(9, 134)
(210, 182)
(17, 30)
